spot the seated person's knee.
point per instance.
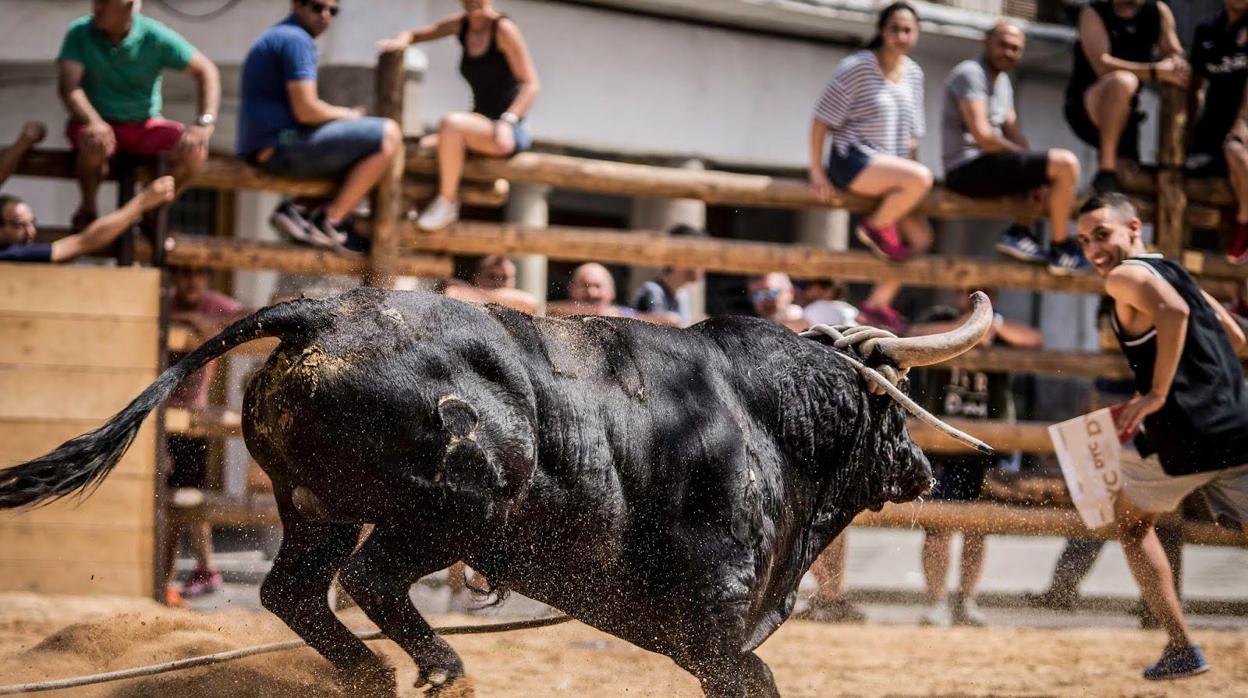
(1124, 81)
(392, 136)
(1234, 149)
(1063, 165)
(452, 122)
(922, 178)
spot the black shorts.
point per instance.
(959, 478)
(999, 174)
(1081, 124)
(188, 462)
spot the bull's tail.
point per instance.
(83, 462)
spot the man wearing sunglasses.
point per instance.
(284, 127)
(109, 70)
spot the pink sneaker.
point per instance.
(201, 583)
(884, 242)
(1237, 253)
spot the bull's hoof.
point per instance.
(370, 680)
(461, 687)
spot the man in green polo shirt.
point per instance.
(110, 68)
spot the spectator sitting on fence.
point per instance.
(1220, 64)
(985, 153)
(1117, 41)
(821, 302)
(109, 69)
(658, 296)
(494, 281)
(499, 70)
(17, 219)
(965, 394)
(1191, 402)
(194, 304)
(771, 296)
(285, 128)
(873, 107)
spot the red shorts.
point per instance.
(149, 137)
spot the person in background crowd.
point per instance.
(964, 394)
(285, 128)
(985, 153)
(109, 73)
(1121, 43)
(494, 281)
(772, 296)
(1189, 417)
(1220, 140)
(873, 108)
(193, 304)
(658, 296)
(17, 220)
(821, 302)
(499, 70)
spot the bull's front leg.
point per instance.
(297, 591)
(380, 576)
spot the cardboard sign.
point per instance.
(1088, 450)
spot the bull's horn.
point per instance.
(908, 352)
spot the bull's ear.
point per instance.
(458, 418)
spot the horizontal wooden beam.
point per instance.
(254, 511)
(1005, 437)
(1207, 264)
(1215, 191)
(1067, 363)
(999, 519)
(182, 340)
(730, 188)
(222, 253)
(653, 249)
(202, 423)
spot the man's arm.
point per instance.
(69, 84)
(108, 228)
(32, 133)
(975, 116)
(1168, 44)
(1013, 131)
(310, 110)
(1153, 299)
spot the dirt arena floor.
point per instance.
(44, 637)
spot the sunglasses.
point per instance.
(765, 294)
(320, 7)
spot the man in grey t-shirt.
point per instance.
(985, 153)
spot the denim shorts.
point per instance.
(524, 139)
(844, 169)
(328, 150)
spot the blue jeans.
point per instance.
(328, 150)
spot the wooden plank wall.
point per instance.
(78, 344)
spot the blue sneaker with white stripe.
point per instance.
(1018, 242)
(1178, 663)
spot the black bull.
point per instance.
(669, 487)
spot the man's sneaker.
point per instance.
(1177, 663)
(201, 583)
(833, 611)
(936, 615)
(1066, 258)
(884, 242)
(1106, 182)
(290, 220)
(1237, 253)
(1019, 243)
(331, 235)
(883, 317)
(440, 214)
(1050, 598)
(964, 611)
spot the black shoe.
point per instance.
(290, 220)
(1106, 182)
(1051, 599)
(334, 236)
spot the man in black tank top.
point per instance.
(1121, 44)
(1190, 408)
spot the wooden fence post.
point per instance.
(387, 199)
(1171, 196)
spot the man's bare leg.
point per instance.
(1151, 569)
(1108, 103)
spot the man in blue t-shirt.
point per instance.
(285, 128)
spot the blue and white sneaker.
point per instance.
(1177, 664)
(1066, 259)
(1018, 242)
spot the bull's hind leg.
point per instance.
(745, 676)
(380, 576)
(297, 591)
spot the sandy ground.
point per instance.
(53, 637)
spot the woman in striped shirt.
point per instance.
(873, 107)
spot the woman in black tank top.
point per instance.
(499, 70)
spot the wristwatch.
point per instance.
(510, 118)
(206, 120)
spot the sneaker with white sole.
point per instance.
(1019, 242)
(1066, 259)
(936, 615)
(440, 214)
(1178, 663)
(290, 221)
(964, 611)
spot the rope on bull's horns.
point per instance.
(230, 655)
(892, 391)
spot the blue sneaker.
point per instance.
(1178, 664)
(1018, 242)
(1067, 258)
